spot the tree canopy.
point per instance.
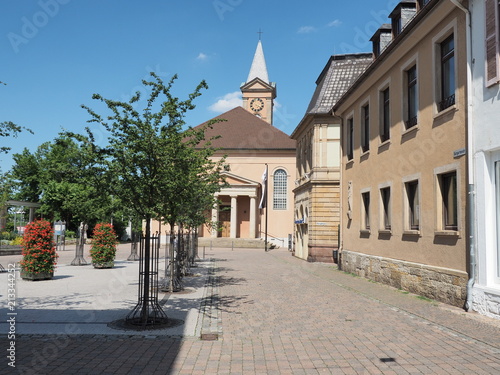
(62, 176)
(159, 171)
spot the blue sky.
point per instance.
(56, 53)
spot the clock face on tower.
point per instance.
(256, 104)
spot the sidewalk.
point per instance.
(84, 300)
(265, 313)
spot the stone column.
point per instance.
(253, 217)
(234, 216)
(215, 219)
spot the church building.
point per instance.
(254, 145)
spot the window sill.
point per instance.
(411, 130)
(364, 155)
(365, 232)
(349, 162)
(451, 108)
(411, 233)
(385, 143)
(385, 232)
(447, 233)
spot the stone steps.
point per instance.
(231, 242)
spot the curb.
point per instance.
(211, 326)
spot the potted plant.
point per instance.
(103, 250)
(39, 251)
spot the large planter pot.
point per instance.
(36, 276)
(109, 264)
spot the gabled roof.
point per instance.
(243, 130)
(257, 84)
(234, 179)
(337, 76)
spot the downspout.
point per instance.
(341, 179)
(470, 170)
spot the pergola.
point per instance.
(32, 207)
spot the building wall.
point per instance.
(486, 146)
(317, 195)
(422, 153)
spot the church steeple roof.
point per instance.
(258, 68)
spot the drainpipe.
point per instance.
(470, 170)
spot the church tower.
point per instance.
(257, 92)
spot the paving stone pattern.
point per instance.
(281, 315)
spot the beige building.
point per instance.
(403, 164)
(317, 187)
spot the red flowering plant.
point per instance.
(103, 250)
(38, 248)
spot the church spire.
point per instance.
(258, 68)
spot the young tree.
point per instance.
(147, 154)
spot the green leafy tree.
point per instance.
(62, 176)
(7, 129)
(148, 155)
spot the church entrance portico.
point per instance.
(237, 213)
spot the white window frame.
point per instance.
(279, 205)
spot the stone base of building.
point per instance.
(440, 284)
(321, 254)
(486, 301)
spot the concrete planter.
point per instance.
(36, 276)
(109, 264)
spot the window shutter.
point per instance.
(491, 17)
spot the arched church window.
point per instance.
(279, 189)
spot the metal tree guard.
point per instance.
(133, 246)
(148, 313)
(79, 259)
(172, 282)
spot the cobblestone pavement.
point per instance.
(281, 315)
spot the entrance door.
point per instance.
(225, 221)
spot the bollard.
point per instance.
(232, 245)
(203, 252)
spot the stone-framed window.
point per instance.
(280, 189)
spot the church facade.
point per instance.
(252, 146)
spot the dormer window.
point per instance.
(396, 26)
(401, 15)
(381, 39)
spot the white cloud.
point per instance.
(306, 30)
(227, 102)
(335, 23)
(201, 56)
